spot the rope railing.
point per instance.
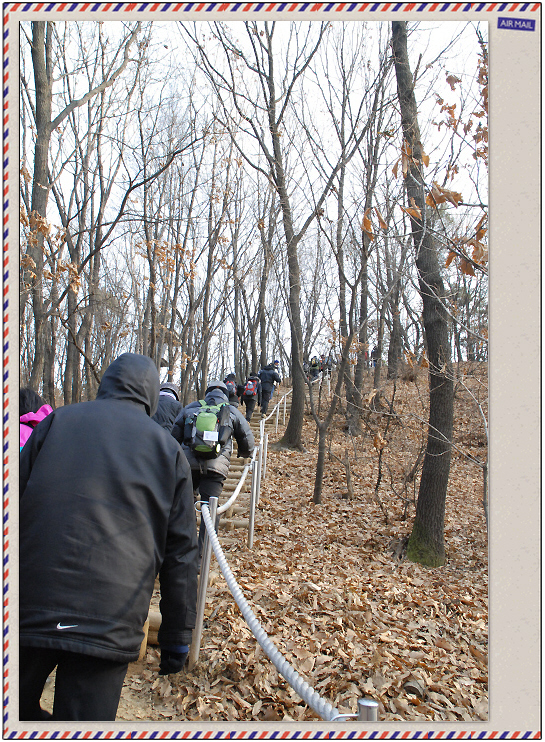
(257, 464)
(238, 488)
(367, 708)
(275, 410)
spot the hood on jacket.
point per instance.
(167, 387)
(216, 385)
(132, 377)
(216, 396)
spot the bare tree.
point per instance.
(426, 543)
(256, 104)
(43, 63)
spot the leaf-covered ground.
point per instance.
(332, 588)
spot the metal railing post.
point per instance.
(367, 709)
(259, 460)
(276, 418)
(285, 403)
(251, 518)
(265, 447)
(203, 585)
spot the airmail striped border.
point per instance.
(194, 7)
(270, 7)
(273, 735)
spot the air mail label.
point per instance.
(517, 24)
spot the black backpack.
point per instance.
(208, 429)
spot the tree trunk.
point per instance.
(363, 353)
(320, 463)
(394, 347)
(41, 63)
(426, 543)
(294, 429)
(380, 336)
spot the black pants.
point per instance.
(86, 688)
(209, 485)
(250, 403)
(266, 394)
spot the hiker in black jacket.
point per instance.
(209, 473)
(268, 377)
(106, 505)
(168, 406)
(233, 389)
(251, 394)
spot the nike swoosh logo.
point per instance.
(70, 626)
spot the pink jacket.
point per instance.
(29, 421)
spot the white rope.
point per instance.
(322, 707)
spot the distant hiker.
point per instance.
(208, 442)
(32, 410)
(268, 377)
(374, 356)
(251, 394)
(106, 505)
(168, 406)
(314, 367)
(234, 389)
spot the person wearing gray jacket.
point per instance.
(209, 474)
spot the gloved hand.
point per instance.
(173, 658)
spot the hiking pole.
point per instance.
(203, 585)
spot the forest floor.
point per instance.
(332, 588)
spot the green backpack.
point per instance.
(208, 429)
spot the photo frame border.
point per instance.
(511, 337)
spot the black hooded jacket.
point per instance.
(106, 504)
(269, 376)
(168, 410)
(257, 396)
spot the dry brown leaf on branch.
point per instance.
(380, 218)
(452, 80)
(480, 231)
(466, 267)
(367, 227)
(439, 195)
(413, 210)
